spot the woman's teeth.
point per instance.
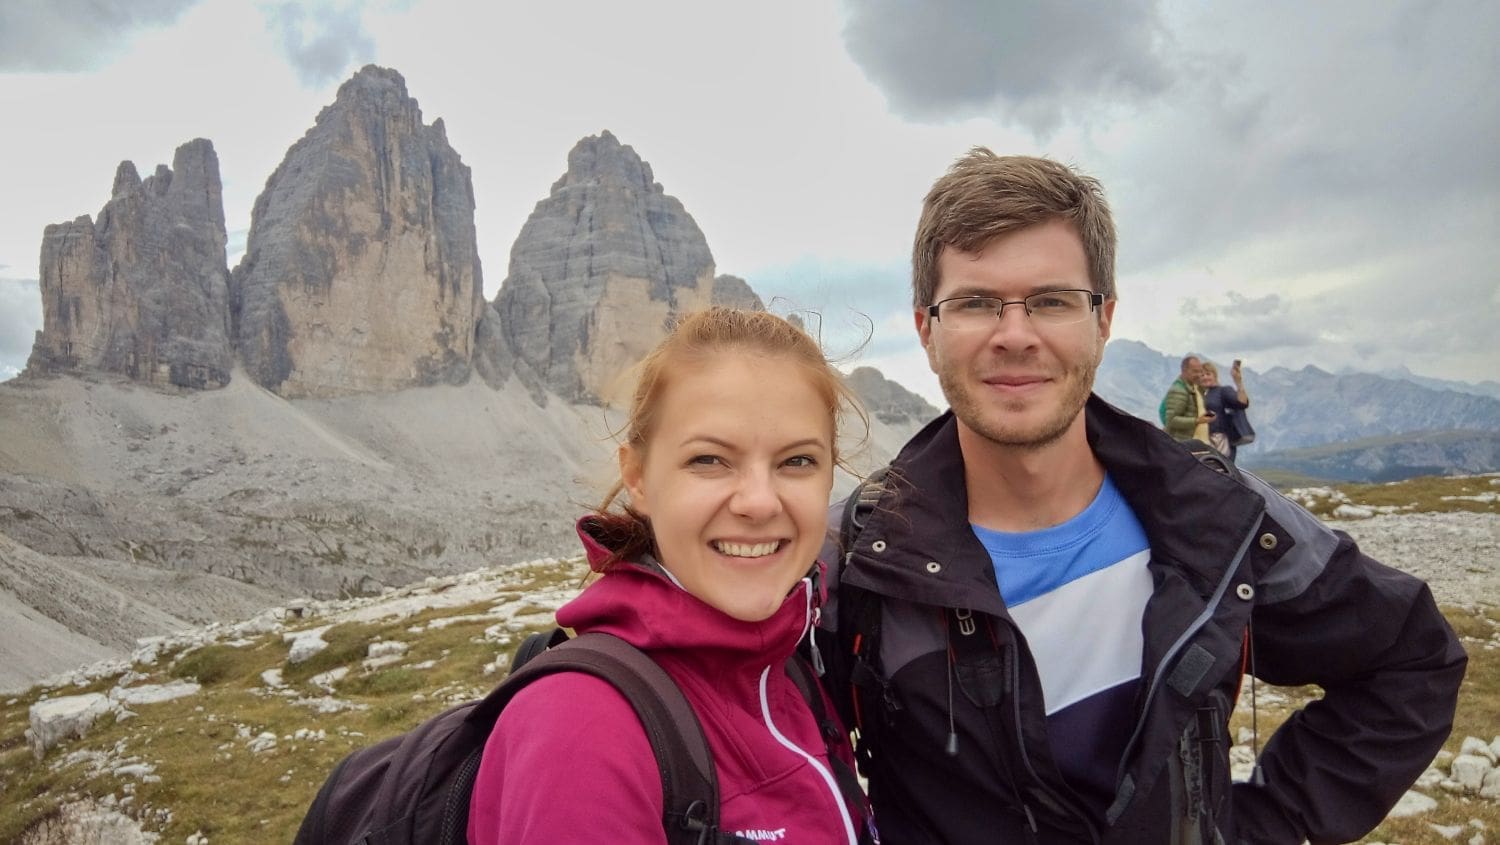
(746, 549)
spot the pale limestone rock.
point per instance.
(153, 693)
(305, 644)
(599, 271)
(142, 291)
(87, 822)
(1490, 788)
(1478, 747)
(361, 272)
(386, 648)
(1468, 770)
(55, 719)
(1413, 804)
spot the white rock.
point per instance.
(372, 663)
(305, 644)
(1478, 747)
(1413, 804)
(1491, 787)
(1352, 512)
(1469, 771)
(1447, 831)
(134, 770)
(1430, 778)
(327, 680)
(1495, 743)
(272, 678)
(153, 693)
(56, 719)
(197, 838)
(386, 648)
(262, 742)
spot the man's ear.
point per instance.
(631, 475)
(924, 334)
(1106, 316)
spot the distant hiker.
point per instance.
(1224, 403)
(1045, 608)
(1184, 414)
(710, 569)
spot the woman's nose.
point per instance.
(756, 497)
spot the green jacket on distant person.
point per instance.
(1180, 410)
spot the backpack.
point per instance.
(415, 788)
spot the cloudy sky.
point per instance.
(1293, 183)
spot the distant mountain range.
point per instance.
(1350, 426)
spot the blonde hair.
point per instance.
(984, 196)
(696, 337)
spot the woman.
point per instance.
(1223, 402)
(710, 569)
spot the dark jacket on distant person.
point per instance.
(1224, 553)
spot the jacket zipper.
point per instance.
(828, 781)
(1197, 624)
(1015, 699)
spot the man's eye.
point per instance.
(978, 303)
(1049, 303)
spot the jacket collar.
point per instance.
(918, 544)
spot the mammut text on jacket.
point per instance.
(957, 734)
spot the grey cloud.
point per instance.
(1248, 324)
(75, 35)
(1037, 62)
(20, 319)
(321, 41)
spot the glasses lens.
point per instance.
(1059, 306)
(968, 312)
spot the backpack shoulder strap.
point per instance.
(807, 684)
(690, 789)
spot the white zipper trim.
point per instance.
(828, 780)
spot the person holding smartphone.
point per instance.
(1222, 402)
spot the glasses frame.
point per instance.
(1096, 299)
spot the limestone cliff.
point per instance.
(598, 272)
(361, 272)
(888, 401)
(143, 291)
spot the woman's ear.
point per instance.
(631, 475)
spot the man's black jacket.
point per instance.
(1224, 552)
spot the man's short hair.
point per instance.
(1187, 359)
(983, 196)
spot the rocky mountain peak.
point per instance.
(598, 271)
(143, 290)
(361, 271)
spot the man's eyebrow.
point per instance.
(978, 290)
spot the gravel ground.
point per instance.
(1458, 554)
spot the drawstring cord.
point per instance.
(951, 748)
(1257, 776)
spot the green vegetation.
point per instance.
(203, 774)
(1431, 494)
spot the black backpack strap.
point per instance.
(690, 789)
(859, 627)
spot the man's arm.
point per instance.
(1390, 667)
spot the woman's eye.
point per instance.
(802, 461)
(704, 460)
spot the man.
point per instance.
(1040, 628)
(1184, 415)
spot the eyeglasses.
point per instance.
(1053, 307)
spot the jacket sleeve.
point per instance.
(1390, 668)
(568, 762)
(836, 656)
(1182, 412)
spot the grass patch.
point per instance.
(216, 663)
(388, 682)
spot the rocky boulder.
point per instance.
(598, 272)
(142, 291)
(361, 272)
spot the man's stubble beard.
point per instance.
(992, 425)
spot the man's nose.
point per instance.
(1014, 327)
